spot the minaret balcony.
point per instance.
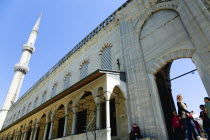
(28, 47)
(21, 67)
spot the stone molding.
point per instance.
(169, 57)
(169, 5)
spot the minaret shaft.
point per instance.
(13, 90)
(25, 57)
(21, 70)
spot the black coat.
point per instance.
(180, 109)
(132, 133)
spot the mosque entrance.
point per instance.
(168, 88)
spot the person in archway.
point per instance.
(177, 126)
(206, 124)
(188, 124)
(135, 133)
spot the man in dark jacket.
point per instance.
(135, 133)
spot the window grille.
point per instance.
(67, 81)
(106, 59)
(84, 71)
(14, 117)
(18, 115)
(54, 90)
(44, 97)
(36, 102)
(29, 106)
(23, 112)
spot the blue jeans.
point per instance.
(136, 138)
(207, 131)
(191, 128)
(184, 122)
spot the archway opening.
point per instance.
(118, 114)
(41, 128)
(86, 114)
(179, 77)
(29, 131)
(59, 122)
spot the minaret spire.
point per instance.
(21, 70)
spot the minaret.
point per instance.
(21, 70)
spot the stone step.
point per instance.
(127, 138)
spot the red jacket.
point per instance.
(176, 121)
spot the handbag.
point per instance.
(189, 115)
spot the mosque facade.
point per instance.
(117, 75)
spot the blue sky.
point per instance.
(63, 25)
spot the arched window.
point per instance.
(10, 121)
(36, 102)
(67, 81)
(18, 115)
(23, 111)
(14, 117)
(84, 69)
(44, 95)
(106, 57)
(29, 107)
(54, 89)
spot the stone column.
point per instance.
(98, 112)
(51, 127)
(35, 131)
(22, 134)
(98, 116)
(45, 131)
(32, 133)
(65, 125)
(74, 121)
(18, 135)
(108, 128)
(10, 137)
(25, 134)
(15, 136)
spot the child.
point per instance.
(177, 126)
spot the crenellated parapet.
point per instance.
(21, 67)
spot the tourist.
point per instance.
(207, 106)
(206, 124)
(135, 133)
(177, 126)
(198, 128)
(188, 124)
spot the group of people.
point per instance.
(183, 123)
(185, 127)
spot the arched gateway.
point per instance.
(119, 75)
